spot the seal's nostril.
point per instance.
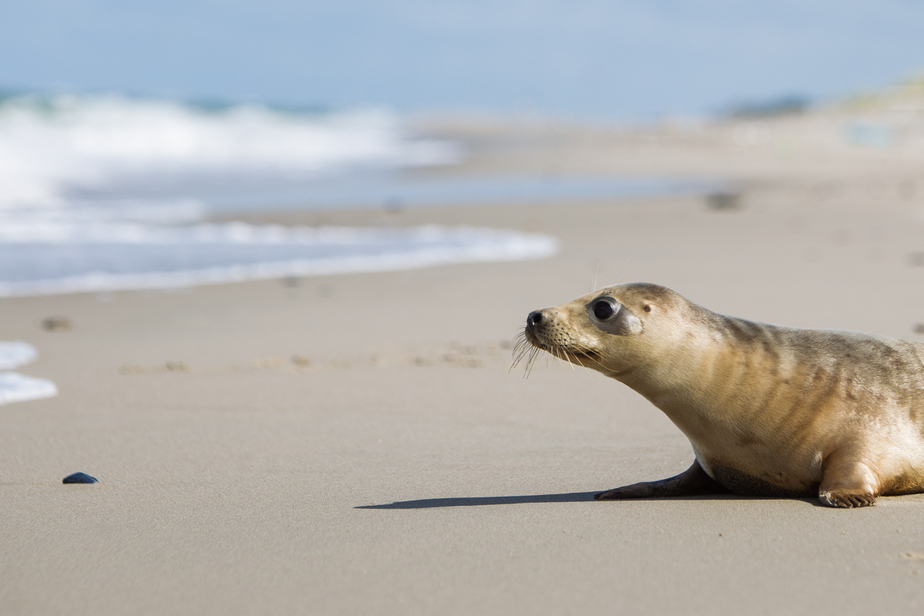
(534, 318)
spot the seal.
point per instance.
(769, 410)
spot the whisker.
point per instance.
(523, 349)
(619, 277)
(576, 360)
(528, 355)
(556, 353)
(590, 355)
(583, 356)
(526, 352)
(564, 356)
(596, 277)
(531, 361)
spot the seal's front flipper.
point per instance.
(847, 482)
(691, 482)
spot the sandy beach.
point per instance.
(357, 444)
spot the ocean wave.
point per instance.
(111, 192)
(54, 147)
(111, 257)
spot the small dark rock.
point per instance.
(80, 478)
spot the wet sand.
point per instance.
(357, 444)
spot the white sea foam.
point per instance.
(51, 147)
(15, 387)
(67, 259)
(15, 354)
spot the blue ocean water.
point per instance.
(111, 192)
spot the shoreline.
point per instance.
(835, 152)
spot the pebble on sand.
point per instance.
(80, 478)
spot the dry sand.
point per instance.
(356, 445)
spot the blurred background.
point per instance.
(128, 128)
(589, 59)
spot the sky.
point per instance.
(608, 59)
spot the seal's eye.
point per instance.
(604, 309)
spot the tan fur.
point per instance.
(769, 410)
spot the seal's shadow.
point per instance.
(481, 501)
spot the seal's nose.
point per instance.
(534, 318)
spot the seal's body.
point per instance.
(770, 411)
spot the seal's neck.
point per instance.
(709, 368)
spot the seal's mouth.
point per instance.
(587, 353)
(530, 336)
(530, 343)
(574, 354)
(533, 338)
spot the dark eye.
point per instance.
(604, 309)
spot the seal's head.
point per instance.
(605, 330)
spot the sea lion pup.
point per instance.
(770, 411)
